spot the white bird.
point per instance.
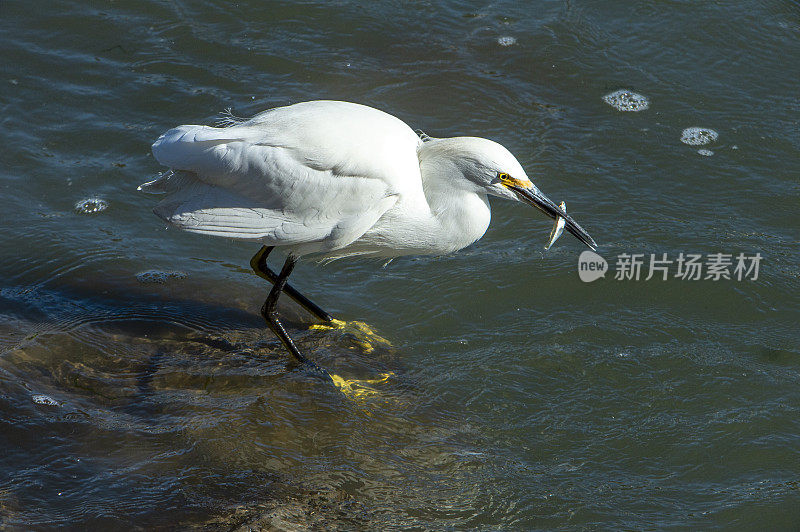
(335, 179)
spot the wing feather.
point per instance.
(317, 174)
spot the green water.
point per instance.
(522, 398)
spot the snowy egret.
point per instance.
(335, 179)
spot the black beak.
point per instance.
(532, 196)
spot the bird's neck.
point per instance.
(462, 216)
(460, 210)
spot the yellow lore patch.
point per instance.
(509, 181)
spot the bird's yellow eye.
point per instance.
(509, 181)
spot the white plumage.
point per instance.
(336, 179)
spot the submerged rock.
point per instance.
(159, 276)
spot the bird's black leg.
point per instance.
(259, 265)
(269, 311)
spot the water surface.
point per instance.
(522, 398)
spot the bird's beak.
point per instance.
(532, 196)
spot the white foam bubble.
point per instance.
(705, 153)
(626, 100)
(698, 136)
(91, 206)
(159, 276)
(506, 40)
(44, 400)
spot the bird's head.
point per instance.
(491, 168)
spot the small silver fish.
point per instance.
(558, 228)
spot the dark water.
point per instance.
(522, 398)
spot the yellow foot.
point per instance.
(359, 388)
(365, 336)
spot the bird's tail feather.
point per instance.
(168, 182)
